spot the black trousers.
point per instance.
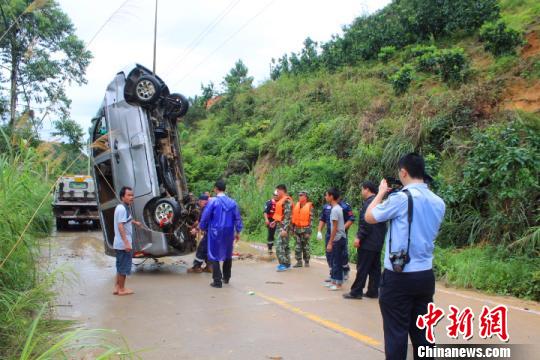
(367, 263)
(403, 297)
(271, 235)
(217, 275)
(201, 255)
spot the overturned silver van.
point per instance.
(135, 143)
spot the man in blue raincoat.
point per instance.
(222, 223)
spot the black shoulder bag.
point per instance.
(401, 258)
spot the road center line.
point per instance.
(326, 323)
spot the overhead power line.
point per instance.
(225, 42)
(195, 42)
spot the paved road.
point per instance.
(260, 315)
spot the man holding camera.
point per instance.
(408, 283)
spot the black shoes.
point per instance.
(216, 285)
(371, 296)
(352, 297)
(225, 281)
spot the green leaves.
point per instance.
(402, 79)
(42, 51)
(499, 39)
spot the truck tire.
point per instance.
(61, 224)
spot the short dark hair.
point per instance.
(334, 193)
(123, 191)
(282, 187)
(220, 185)
(414, 164)
(370, 185)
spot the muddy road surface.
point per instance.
(261, 314)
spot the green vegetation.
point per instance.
(39, 54)
(346, 113)
(489, 268)
(499, 39)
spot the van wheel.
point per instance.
(166, 212)
(146, 89)
(176, 105)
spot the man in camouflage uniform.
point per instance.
(302, 219)
(282, 221)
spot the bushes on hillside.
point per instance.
(402, 79)
(499, 39)
(399, 24)
(386, 53)
(451, 64)
(496, 200)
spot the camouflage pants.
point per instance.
(283, 252)
(302, 235)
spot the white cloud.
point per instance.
(128, 38)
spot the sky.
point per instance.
(197, 41)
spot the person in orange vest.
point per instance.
(302, 219)
(282, 221)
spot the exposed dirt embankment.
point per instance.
(525, 94)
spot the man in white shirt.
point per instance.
(123, 240)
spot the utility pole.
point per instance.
(155, 35)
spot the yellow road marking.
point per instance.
(326, 323)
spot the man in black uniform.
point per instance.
(268, 213)
(369, 241)
(201, 255)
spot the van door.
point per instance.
(141, 160)
(119, 115)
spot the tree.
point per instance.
(208, 91)
(41, 52)
(309, 60)
(237, 78)
(70, 130)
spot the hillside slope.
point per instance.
(474, 115)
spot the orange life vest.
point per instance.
(278, 215)
(301, 214)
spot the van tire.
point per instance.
(176, 105)
(146, 90)
(165, 207)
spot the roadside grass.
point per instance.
(491, 269)
(28, 328)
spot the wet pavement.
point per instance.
(261, 314)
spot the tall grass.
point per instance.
(489, 268)
(28, 329)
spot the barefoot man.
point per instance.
(123, 230)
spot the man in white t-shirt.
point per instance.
(123, 240)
